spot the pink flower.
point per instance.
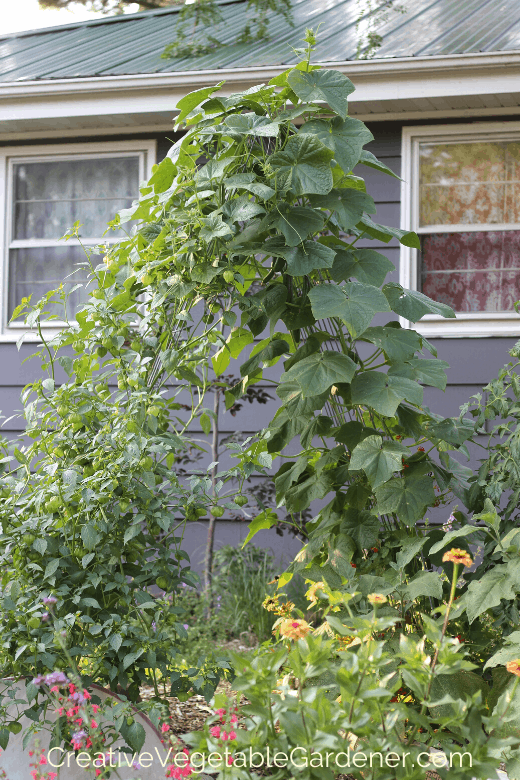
(215, 731)
(94, 724)
(42, 760)
(34, 774)
(234, 719)
(165, 728)
(52, 775)
(230, 760)
(221, 711)
(232, 735)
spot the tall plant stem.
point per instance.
(210, 540)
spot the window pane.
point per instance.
(469, 183)
(50, 196)
(37, 270)
(472, 272)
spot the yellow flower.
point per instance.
(311, 593)
(294, 629)
(270, 603)
(455, 555)
(377, 598)
(514, 667)
(285, 609)
(323, 629)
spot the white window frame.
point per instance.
(467, 324)
(145, 150)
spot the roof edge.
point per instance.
(434, 65)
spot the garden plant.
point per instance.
(253, 241)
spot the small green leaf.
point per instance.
(385, 233)
(264, 520)
(367, 158)
(205, 423)
(412, 304)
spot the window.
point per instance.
(461, 194)
(48, 189)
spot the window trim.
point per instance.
(145, 149)
(467, 324)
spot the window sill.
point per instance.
(468, 325)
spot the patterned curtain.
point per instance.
(462, 184)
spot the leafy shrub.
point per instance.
(361, 694)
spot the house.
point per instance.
(87, 108)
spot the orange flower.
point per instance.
(456, 555)
(377, 598)
(294, 629)
(514, 667)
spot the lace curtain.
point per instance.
(48, 197)
(470, 184)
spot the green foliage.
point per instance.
(357, 689)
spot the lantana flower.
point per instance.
(311, 596)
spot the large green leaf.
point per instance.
(501, 582)
(317, 373)
(304, 166)
(398, 343)
(344, 137)
(354, 303)
(297, 223)
(412, 304)
(348, 204)
(317, 86)
(384, 393)
(366, 265)
(385, 233)
(407, 498)
(303, 259)
(378, 459)
(428, 372)
(362, 526)
(425, 583)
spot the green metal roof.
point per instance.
(132, 44)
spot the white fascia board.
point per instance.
(403, 79)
